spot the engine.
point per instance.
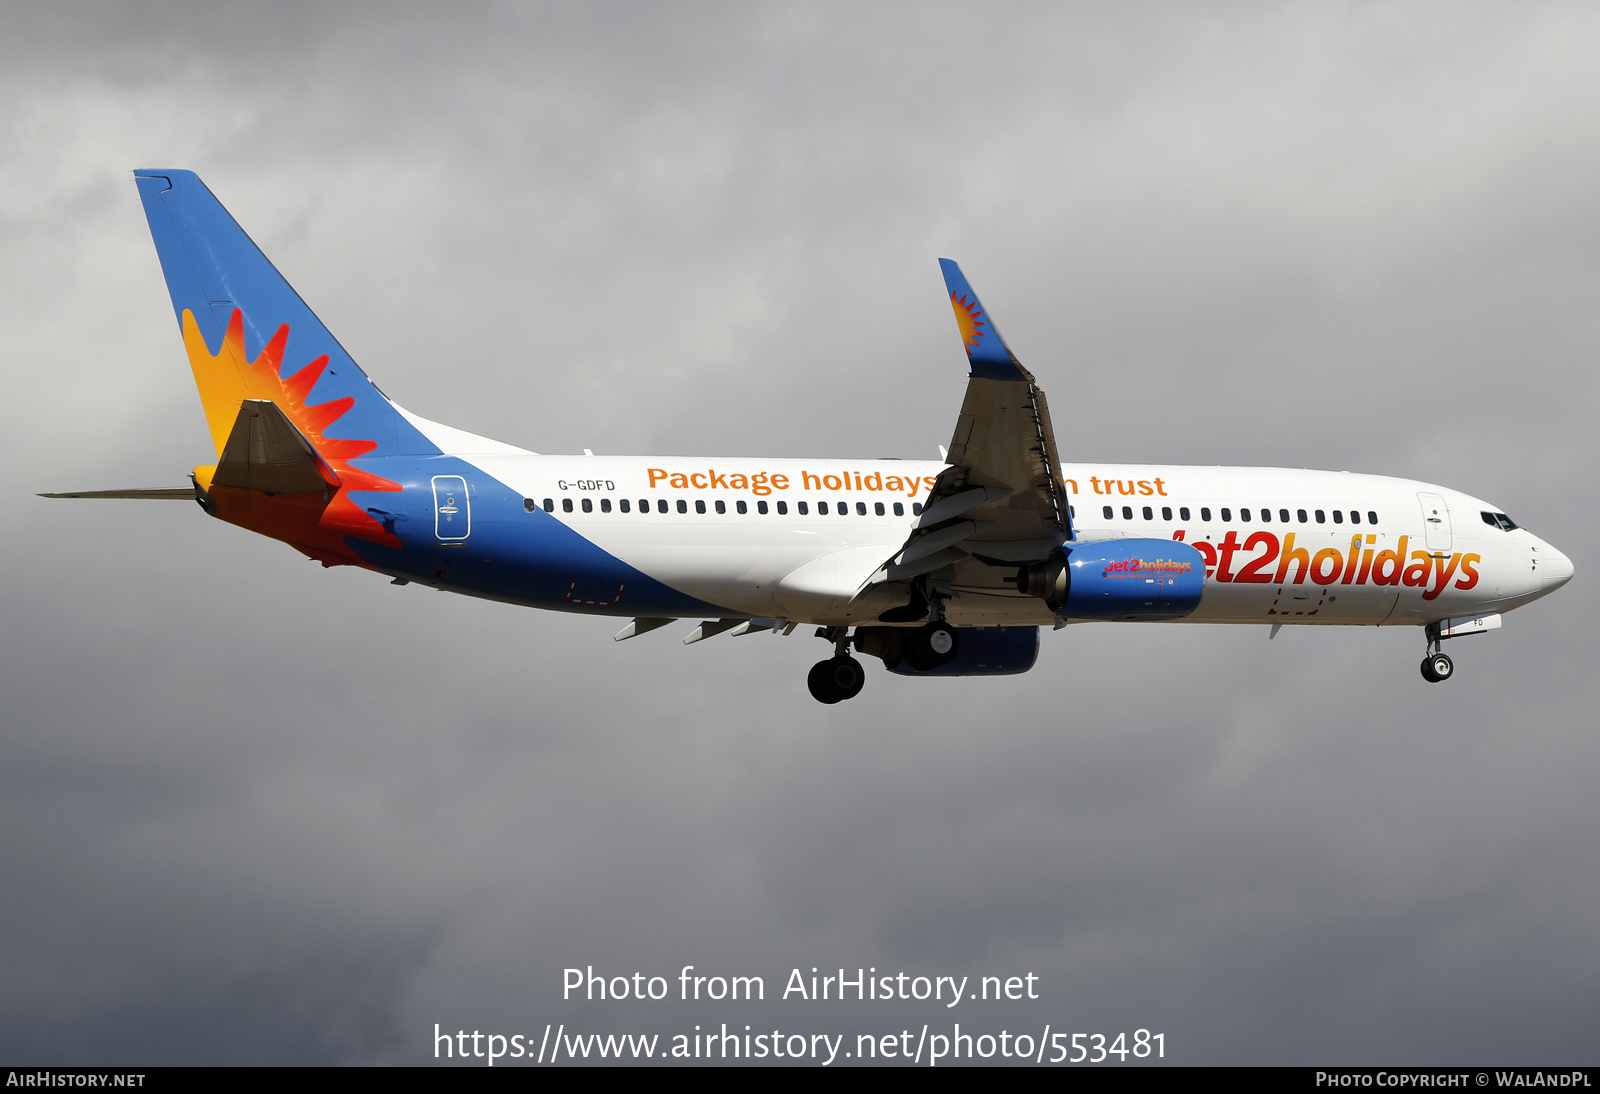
(1118, 579)
(979, 651)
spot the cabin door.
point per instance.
(1435, 523)
(452, 511)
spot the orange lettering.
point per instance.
(1327, 554)
(1443, 578)
(1417, 572)
(1252, 573)
(1355, 559)
(1386, 571)
(1292, 554)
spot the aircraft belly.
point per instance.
(1307, 603)
(744, 568)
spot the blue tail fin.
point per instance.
(247, 330)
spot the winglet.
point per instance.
(987, 352)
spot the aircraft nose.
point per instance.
(1558, 569)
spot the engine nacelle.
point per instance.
(982, 651)
(1118, 579)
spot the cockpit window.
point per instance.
(1498, 520)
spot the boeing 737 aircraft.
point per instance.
(938, 569)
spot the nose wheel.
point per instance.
(1437, 668)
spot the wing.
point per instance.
(1001, 500)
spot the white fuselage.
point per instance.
(797, 539)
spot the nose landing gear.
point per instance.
(1437, 666)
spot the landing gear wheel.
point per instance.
(931, 646)
(1437, 668)
(836, 680)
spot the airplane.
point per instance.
(937, 568)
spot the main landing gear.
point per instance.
(840, 677)
(836, 679)
(1437, 666)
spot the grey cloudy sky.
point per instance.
(254, 811)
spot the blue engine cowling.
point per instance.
(980, 651)
(1119, 579)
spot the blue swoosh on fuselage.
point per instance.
(509, 554)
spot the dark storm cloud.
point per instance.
(256, 811)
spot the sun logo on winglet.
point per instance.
(968, 319)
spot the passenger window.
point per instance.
(683, 506)
(1283, 515)
(844, 508)
(822, 508)
(799, 508)
(1183, 512)
(605, 505)
(1205, 513)
(1127, 512)
(549, 506)
(1372, 518)
(1072, 512)
(1355, 516)
(1106, 509)
(899, 509)
(916, 508)
(529, 504)
(761, 507)
(1244, 515)
(861, 508)
(1338, 516)
(1148, 515)
(1266, 516)
(588, 506)
(877, 507)
(742, 507)
(1322, 518)
(661, 505)
(699, 506)
(566, 505)
(1301, 513)
(625, 505)
(722, 507)
(1166, 512)
(1227, 515)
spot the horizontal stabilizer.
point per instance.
(266, 452)
(185, 493)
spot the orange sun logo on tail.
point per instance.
(312, 523)
(967, 313)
